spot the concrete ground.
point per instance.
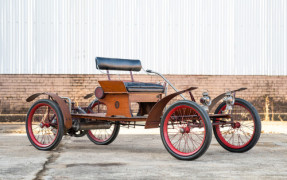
(139, 154)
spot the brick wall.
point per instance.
(266, 93)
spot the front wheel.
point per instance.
(244, 130)
(186, 130)
(44, 125)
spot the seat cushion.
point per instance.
(143, 87)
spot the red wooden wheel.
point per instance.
(44, 125)
(244, 131)
(186, 130)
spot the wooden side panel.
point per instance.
(144, 97)
(113, 86)
(117, 105)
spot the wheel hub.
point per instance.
(236, 125)
(42, 125)
(184, 130)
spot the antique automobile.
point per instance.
(185, 126)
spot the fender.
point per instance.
(63, 107)
(218, 98)
(154, 116)
(89, 95)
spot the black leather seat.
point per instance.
(118, 64)
(143, 87)
(128, 65)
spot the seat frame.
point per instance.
(117, 93)
(112, 65)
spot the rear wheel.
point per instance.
(243, 133)
(186, 130)
(103, 136)
(44, 125)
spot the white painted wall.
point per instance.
(226, 37)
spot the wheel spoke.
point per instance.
(240, 133)
(101, 136)
(41, 135)
(183, 131)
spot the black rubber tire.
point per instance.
(257, 125)
(114, 134)
(208, 130)
(111, 139)
(60, 133)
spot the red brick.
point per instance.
(14, 89)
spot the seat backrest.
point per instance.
(118, 64)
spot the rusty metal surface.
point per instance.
(218, 98)
(34, 96)
(63, 106)
(153, 119)
(191, 96)
(99, 117)
(89, 95)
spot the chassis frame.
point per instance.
(118, 100)
(154, 116)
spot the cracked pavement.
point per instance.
(138, 156)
